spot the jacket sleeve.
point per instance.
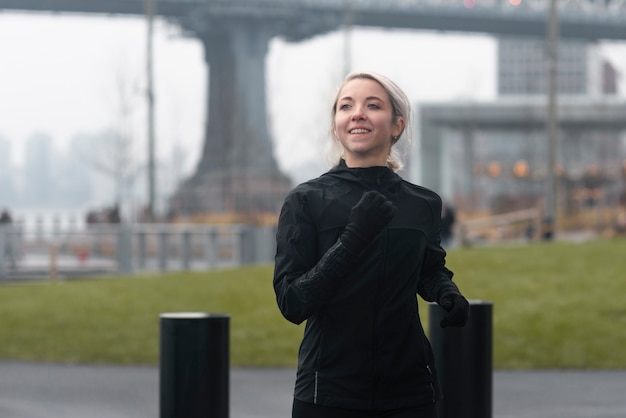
(302, 283)
(435, 278)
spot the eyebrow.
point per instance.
(367, 98)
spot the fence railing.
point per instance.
(522, 224)
(128, 248)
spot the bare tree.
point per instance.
(112, 154)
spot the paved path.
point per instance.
(34, 390)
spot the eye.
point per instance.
(373, 106)
(344, 106)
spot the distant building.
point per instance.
(522, 67)
(494, 156)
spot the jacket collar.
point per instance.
(377, 175)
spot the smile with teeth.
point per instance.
(359, 131)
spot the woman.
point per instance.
(354, 247)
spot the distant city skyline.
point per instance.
(63, 76)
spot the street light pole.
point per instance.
(149, 6)
(553, 128)
(347, 41)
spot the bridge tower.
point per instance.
(237, 172)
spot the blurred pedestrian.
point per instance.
(6, 229)
(620, 223)
(5, 217)
(448, 219)
(354, 248)
(114, 215)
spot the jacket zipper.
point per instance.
(432, 388)
(383, 269)
(315, 390)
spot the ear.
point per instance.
(398, 127)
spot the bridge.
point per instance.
(300, 19)
(237, 171)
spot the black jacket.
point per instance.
(364, 346)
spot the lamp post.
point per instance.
(347, 41)
(552, 59)
(149, 6)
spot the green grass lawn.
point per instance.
(556, 305)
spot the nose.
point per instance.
(358, 113)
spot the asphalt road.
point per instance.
(35, 390)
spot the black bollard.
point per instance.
(194, 365)
(463, 357)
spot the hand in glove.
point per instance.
(367, 218)
(456, 306)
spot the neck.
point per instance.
(363, 162)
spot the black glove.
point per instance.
(366, 220)
(456, 306)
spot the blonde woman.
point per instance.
(354, 248)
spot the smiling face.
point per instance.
(364, 123)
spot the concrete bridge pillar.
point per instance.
(237, 172)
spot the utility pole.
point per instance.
(553, 122)
(149, 6)
(347, 41)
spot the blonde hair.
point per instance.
(400, 108)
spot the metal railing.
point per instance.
(131, 248)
